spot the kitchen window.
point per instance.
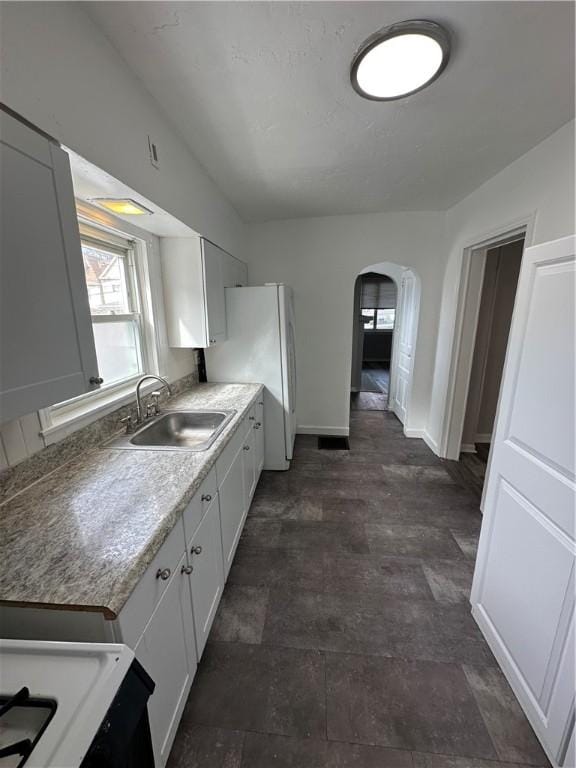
(112, 281)
(119, 294)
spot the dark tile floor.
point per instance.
(344, 638)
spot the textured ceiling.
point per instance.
(261, 93)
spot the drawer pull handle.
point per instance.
(187, 569)
(206, 497)
(246, 447)
(257, 425)
(163, 573)
(251, 418)
(261, 402)
(196, 550)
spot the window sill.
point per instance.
(88, 411)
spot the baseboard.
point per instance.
(467, 448)
(307, 429)
(411, 432)
(483, 437)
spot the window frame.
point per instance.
(64, 418)
(374, 311)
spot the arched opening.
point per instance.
(385, 321)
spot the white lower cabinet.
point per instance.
(169, 614)
(167, 651)
(232, 508)
(207, 577)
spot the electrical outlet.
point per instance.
(153, 153)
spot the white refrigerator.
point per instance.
(260, 347)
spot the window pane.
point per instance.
(106, 280)
(368, 318)
(385, 319)
(117, 349)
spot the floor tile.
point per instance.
(257, 688)
(241, 614)
(412, 541)
(422, 706)
(513, 737)
(468, 543)
(362, 574)
(276, 567)
(323, 536)
(289, 508)
(342, 755)
(356, 510)
(449, 580)
(427, 476)
(266, 751)
(374, 624)
(260, 533)
(197, 746)
(443, 761)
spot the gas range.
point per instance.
(56, 701)
(23, 719)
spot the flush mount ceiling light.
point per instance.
(122, 205)
(400, 60)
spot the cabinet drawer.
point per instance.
(145, 597)
(201, 500)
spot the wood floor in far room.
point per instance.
(344, 638)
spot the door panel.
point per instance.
(231, 494)
(207, 578)
(404, 343)
(215, 297)
(523, 592)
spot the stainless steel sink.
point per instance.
(177, 430)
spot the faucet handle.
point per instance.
(156, 397)
(129, 422)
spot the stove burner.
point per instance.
(22, 715)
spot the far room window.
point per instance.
(113, 293)
(378, 319)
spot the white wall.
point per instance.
(320, 258)
(539, 185)
(61, 73)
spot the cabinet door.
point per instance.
(259, 439)
(48, 352)
(235, 272)
(249, 464)
(214, 292)
(232, 506)
(207, 578)
(167, 652)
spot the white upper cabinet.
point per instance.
(195, 274)
(46, 341)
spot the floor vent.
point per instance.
(333, 443)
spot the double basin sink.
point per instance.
(176, 430)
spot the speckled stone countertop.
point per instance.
(82, 537)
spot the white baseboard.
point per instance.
(411, 432)
(467, 448)
(307, 429)
(423, 434)
(483, 437)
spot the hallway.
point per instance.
(344, 638)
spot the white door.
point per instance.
(207, 578)
(404, 337)
(289, 380)
(523, 593)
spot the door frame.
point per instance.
(466, 324)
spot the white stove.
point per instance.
(54, 698)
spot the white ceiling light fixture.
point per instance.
(400, 60)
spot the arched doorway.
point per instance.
(386, 306)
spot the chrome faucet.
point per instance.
(146, 376)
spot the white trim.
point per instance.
(483, 437)
(450, 439)
(422, 434)
(90, 411)
(467, 448)
(306, 429)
